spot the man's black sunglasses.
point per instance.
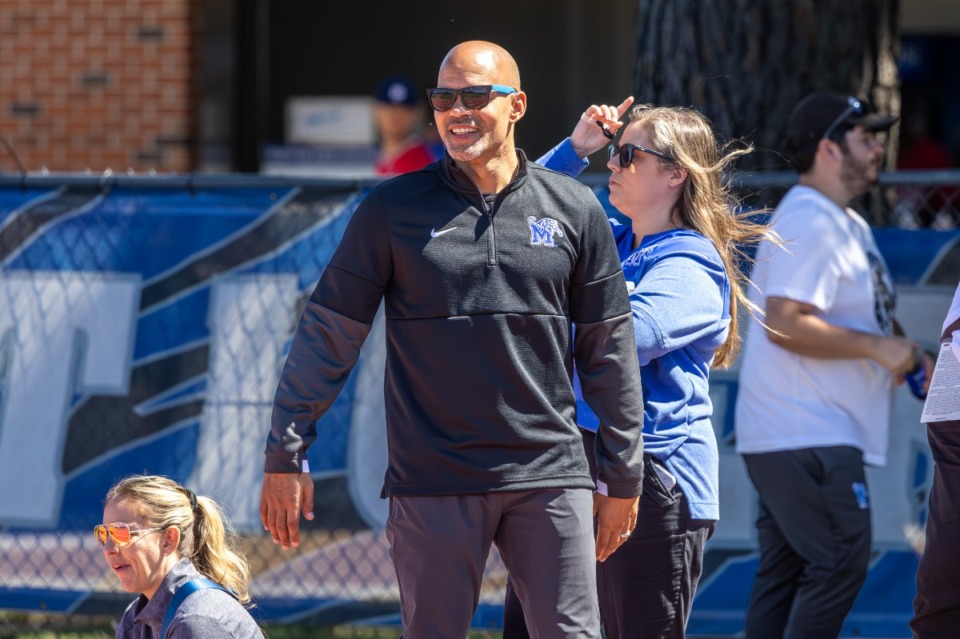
(472, 97)
(624, 152)
(853, 106)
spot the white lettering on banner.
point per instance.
(250, 320)
(61, 334)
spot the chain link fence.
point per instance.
(904, 199)
(143, 324)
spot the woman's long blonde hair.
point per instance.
(707, 204)
(205, 534)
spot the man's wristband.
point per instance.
(602, 488)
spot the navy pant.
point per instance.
(646, 587)
(814, 535)
(937, 605)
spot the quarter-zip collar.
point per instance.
(455, 178)
(458, 181)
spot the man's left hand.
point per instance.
(616, 519)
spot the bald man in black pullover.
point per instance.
(485, 263)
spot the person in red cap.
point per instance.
(817, 380)
(398, 115)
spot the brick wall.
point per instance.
(98, 84)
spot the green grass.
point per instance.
(273, 632)
(17, 626)
(350, 632)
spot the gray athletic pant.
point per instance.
(439, 547)
(814, 536)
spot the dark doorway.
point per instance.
(570, 55)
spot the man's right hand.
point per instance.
(282, 498)
(896, 354)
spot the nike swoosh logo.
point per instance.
(436, 233)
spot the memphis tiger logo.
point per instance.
(542, 231)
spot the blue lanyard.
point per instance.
(182, 593)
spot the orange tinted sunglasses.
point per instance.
(119, 532)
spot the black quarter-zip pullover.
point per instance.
(480, 306)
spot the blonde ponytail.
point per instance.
(206, 537)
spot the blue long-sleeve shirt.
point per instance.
(563, 159)
(680, 300)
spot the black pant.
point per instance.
(937, 605)
(646, 587)
(814, 535)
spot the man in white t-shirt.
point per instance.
(937, 604)
(816, 385)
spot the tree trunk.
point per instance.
(746, 63)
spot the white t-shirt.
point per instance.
(788, 401)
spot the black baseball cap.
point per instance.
(818, 115)
(398, 89)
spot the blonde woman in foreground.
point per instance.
(177, 551)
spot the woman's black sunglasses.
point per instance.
(471, 97)
(624, 152)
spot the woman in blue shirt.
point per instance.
(680, 259)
